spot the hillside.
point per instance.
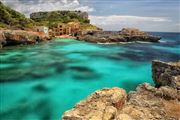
(60, 16)
(54, 17)
(10, 18)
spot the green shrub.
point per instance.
(13, 18)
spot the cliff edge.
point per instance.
(146, 103)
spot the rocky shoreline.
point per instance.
(125, 35)
(20, 37)
(146, 103)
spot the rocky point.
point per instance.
(20, 37)
(146, 103)
(125, 35)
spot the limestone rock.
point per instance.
(110, 113)
(124, 117)
(167, 93)
(101, 104)
(144, 104)
(166, 74)
(20, 37)
(125, 35)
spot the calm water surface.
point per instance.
(40, 82)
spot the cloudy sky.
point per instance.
(148, 15)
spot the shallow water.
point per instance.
(40, 82)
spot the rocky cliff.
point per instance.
(146, 103)
(125, 35)
(19, 37)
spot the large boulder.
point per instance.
(103, 104)
(166, 74)
(19, 37)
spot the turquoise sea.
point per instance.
(40, 82)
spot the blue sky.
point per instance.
(147, 15)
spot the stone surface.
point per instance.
(20, 37)
(146, 103)
(125, 35)
(103, 104)
(166, 74)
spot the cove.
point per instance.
(42, 81)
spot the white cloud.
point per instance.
(117, 22)
(29, 6)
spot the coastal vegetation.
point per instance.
(48, 18)
(10, 18)
(53, 18)
(23, 27)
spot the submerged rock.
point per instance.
(146, 103)
(125, 35)
(40, 88)
(28, 108)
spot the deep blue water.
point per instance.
(42, 81)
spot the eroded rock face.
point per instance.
(103, 104)
(15, 37)
(125, 35)
(146, 103)
(166, 74)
